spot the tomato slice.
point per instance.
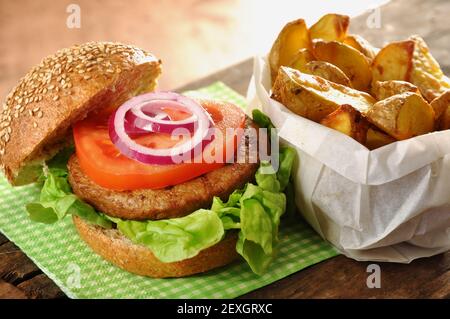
(103, 163)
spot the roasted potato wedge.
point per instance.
(402, 116)
(375, 139)
(301, 58)
(314, 97)
(393, 62)
(411, 61)
(441, 107)
(327, 71)
(426, 73)
(349, 121)
(361, 44)
(352, 62)
(384, 89)
(293, 37)
(331, 27)
(445, 121)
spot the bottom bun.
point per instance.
(120, 251)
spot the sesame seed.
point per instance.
(40, 114)
(87, 77)
(30, 112)
(35, 124)
(56, 98)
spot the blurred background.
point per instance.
(192, 37)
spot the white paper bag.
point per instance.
(390, 204)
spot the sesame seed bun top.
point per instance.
(37, 114)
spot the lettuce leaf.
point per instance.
(262, 119)
(175, 239)
(57, 200)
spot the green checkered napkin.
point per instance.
(80, 273)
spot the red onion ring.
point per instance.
(140, 118)
(121, 139)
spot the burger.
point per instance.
(132, 167)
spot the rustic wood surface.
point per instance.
(338, 277)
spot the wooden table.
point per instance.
(338, 277)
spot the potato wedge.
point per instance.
(331, 27)
(375, 139)
(426, 73)
(445, 121)
(352, 62)
(327, 71)
(393, 62)
(384, 89)
(314, 97)
(441, 107)
(402, 116)
(301, 58)
(361, 44)
(349, 121)
(293, 37)
(411, 61)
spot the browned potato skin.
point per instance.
(293, 37)
(301, 58)
(411, 61)
(375, 139)
(328, 71)
(393, 62)
(426, 72)
(441, 107)
(361, 44)
(384, 89)
(314, 97)
(331, 27)
(402, 116)
(352, 62)
(348, 121)
(445, 122)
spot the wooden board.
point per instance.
(339, 277)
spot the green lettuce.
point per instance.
(254, 211)
(175, 239)
(57, 200)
